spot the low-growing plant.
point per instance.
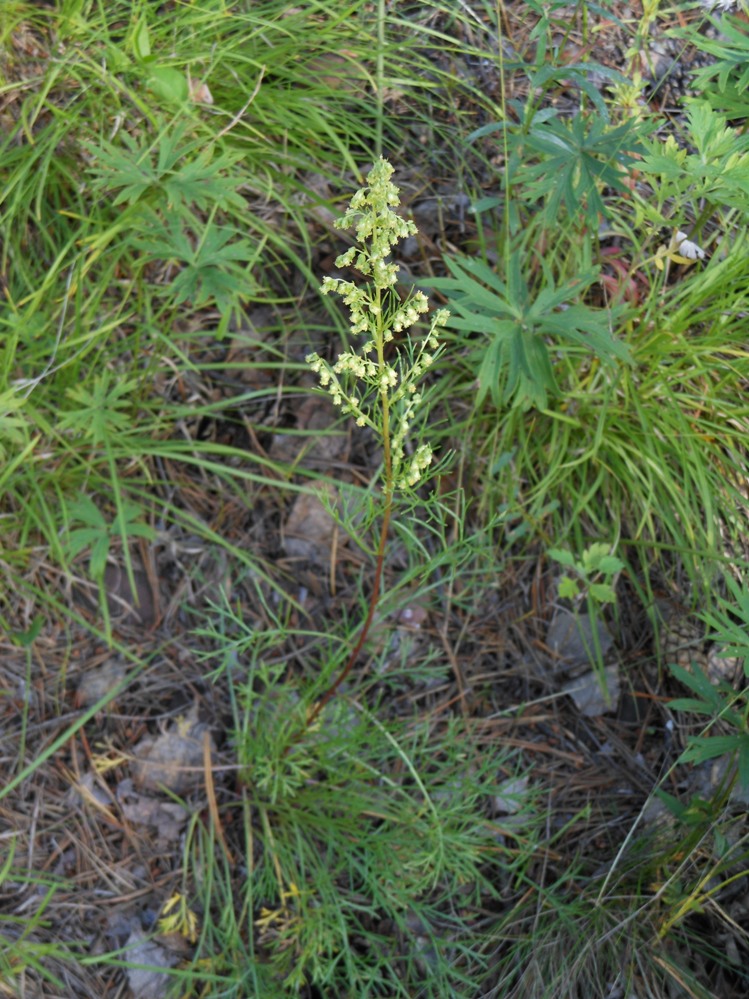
(724, 78)
(21, 951)
(362, 835)
(520, 326)
(724, 704)
(720, 704)
(593, 574)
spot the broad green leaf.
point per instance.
(703, 748)
(604, 593)
(168, 83)
(563, 557)
(594, 555)
(99, 532)
(514, 366)
(568, 588)
(140, 40)
(697, 682)
(88, 512)
(81, 538)
(610, 565)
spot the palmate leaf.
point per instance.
(577, 75)
(126, 168)
(729, 624)
(710, 700)
(513, 360)
(202, 182)
(578, 159)
(100, 411)
(98, 533)
(214, 263)
(701, 748)
(182, 171)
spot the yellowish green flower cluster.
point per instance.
(376, 311)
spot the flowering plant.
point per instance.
(377, 384)
(375, 311)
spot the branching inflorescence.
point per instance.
(377, 313)
(377, 392)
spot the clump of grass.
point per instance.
(651, 441)
(24, 955)
(139, 211)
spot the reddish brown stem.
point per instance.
(332, 689)
(389, 488)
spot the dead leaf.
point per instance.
(128, 606)
(174, 759)
(168, 818)
(590, 699)
(23, 40)
(200, 92)
(97, 682)
(321, 445)
(512, 796)
(338, 70)
(147, 983)
(572, 637)
(309, 528)
(431, 214)
(413, 617)
(92, 795)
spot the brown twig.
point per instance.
(210, 791)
